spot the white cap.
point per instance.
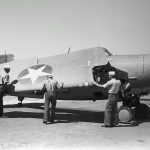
(6, 67)
(111, 73)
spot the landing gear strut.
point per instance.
(20, 98)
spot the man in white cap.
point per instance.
(4, 81)
(51, 86)
(5, 75)
(113, 86)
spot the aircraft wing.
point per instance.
(75, 70)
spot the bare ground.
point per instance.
(77, 126)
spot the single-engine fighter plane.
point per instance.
(78, 71)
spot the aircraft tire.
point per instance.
(125, 114)
(142, 111)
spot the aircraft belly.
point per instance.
(83, 93)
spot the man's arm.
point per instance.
(99, 85)
(43, 87)
(128, 86)
(59, 85)
(103, 85)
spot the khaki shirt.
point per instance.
(51, 85)
(5, 78)
(113, 86)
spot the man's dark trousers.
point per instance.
(1, 99)
(1, 105)
(49, 114)
(111, 117)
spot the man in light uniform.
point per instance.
(4, 81)
(113, 86)
(51, 86)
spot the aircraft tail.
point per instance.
(6, 58)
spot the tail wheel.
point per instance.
(125, 114)
(20, 98)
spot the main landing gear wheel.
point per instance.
(125, 114)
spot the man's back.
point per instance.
(113, 86)
(51, 85)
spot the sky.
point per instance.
(40, 28)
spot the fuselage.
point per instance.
(138, 69)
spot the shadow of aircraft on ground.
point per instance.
(63, 114)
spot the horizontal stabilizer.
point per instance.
(6, 58)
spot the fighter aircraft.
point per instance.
(78, 71)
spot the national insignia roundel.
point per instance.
(34, 75)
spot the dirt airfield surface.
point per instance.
(77, 126)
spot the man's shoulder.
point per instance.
(4, 74)
(109, 82)
(45, 82)
(112, 80)
(115, 80)
(118, 82)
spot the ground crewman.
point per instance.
(113, 86)
(51, 86)
(4, 79)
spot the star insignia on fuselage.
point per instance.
(33, 74)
